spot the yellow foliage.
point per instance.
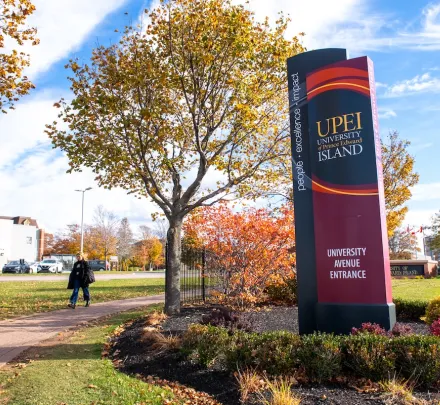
(12, 21)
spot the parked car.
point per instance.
(16, 266)
(34, 267)
(97, 265)
(50, 266)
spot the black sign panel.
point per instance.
(404, 270)
(298, 67)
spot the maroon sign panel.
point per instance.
(350, 234)
(351, 243)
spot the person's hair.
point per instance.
(82, 256)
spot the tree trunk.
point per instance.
(172, 274)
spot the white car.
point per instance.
(50, 266)
(34, 267)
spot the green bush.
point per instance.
(273, 352)
(207, 341)
(410, 309)
(283, 293)
(433, 311)
(320, 356)
(418, 358)
(369, 355)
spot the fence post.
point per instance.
(203, 274)
(166, 266)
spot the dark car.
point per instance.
(97, 265)
(16, 266)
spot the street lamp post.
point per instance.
(82, 218)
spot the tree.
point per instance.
(49, 242)
(160, 229)
(148, 252)
(402, 244)
(399, 176)
(105, 231)
(125, 243)
(67, 241)
(249, 249)
(201, 90)
(434, 240)
(149, 249)
(13, 85)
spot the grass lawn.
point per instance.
(412, 289)
(18, 298)
(71, 372)
(67, 273)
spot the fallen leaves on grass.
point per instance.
(182, 393)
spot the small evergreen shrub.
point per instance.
(320, 356)
(283, 292)
(369, 355)
(272, 352)
(418, 358)
(207, 341)
(433, 311)
(410, 309)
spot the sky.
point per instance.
(402, 37)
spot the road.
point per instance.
(98, 276)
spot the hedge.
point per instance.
(411, 310)
(321, 357)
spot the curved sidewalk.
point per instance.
(17, 335)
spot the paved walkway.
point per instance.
(17, 335)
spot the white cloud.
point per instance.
(419, 84)
(381, 85)
(386, 113)
(418, 217)
(40, 187)
(62, 28)
(23, 129)
(426, 192)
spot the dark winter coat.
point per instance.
(85, 275)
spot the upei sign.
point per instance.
(342, 247)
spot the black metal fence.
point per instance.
(199, 280)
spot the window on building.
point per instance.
(29, 240)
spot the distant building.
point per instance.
(428, 251)
(20, 238)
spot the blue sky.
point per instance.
(401, 37)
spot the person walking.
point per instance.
(81, 276)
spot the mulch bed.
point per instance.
(134, 358)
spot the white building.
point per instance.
(20, 238)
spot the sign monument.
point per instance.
(342, 246)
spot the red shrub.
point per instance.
(435, 327)
(369, 327)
